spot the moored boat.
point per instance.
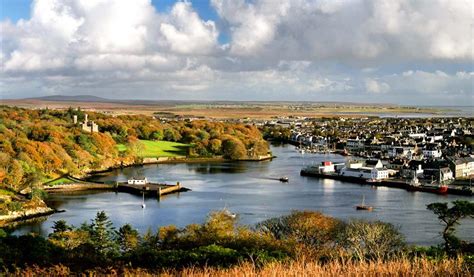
(284, 179)
(434, 187)
(363, 207)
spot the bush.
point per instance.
(372, 240)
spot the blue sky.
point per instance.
(393, 51)
(20, 9)
(15, 9)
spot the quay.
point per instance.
(150, 189)
(386, 183)
(133, 186)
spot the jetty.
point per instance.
(134, 186)
(150, 189)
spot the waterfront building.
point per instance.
(138, 181)
(365, 173)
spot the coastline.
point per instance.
(177, 160)
(22, 216)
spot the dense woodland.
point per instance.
(304, 237)
(37, 145)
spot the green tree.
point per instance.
(61, 226)
(128, 238)
(104, 236)
(451, 217)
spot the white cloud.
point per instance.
(374, 86)
(277, 49)
(187, 33)
(350, 30)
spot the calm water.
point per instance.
(251, 190)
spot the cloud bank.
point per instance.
(410, 52)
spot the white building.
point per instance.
(365, 173)
(134, 181)
(327, 167)
(355, 144)
(432, 153)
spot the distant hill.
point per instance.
(74, 98)
(149, 102)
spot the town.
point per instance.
(421, 152)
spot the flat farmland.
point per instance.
(227, 110)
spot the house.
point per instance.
(137, 181)
(461, 167)
(374, 163)
(396, 164)
(438, 173)
(431, 151)
(354, 164)
(355, 144)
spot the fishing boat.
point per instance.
(363, 207)
(433, 187)
(228, 213)
(284, 179)
(373, 181)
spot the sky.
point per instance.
(370, 51)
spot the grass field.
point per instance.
(154, 149)
(61, 181)
(256, 110)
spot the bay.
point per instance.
(252, 190)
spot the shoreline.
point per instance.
(175, 160)
(82, 184)
(25, 215)
(391, 183)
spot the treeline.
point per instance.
(220, 242)
(36, 145)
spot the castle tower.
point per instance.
(86, 118)
(74, 119)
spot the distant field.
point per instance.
(233, 110)
(159, 149)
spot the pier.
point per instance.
(150, 189)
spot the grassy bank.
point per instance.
(152, 149)
(300, 267)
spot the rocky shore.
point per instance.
(25, 214)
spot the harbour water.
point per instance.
(252, 190)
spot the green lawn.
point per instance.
(61, 181)
(154, 149)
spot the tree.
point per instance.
(451, 217)
(61, 226)
(128, 238)
(307, 227)
(233, 149)
(372, 240)
(103, 236)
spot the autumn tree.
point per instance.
(372, 240)
(233, 149)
